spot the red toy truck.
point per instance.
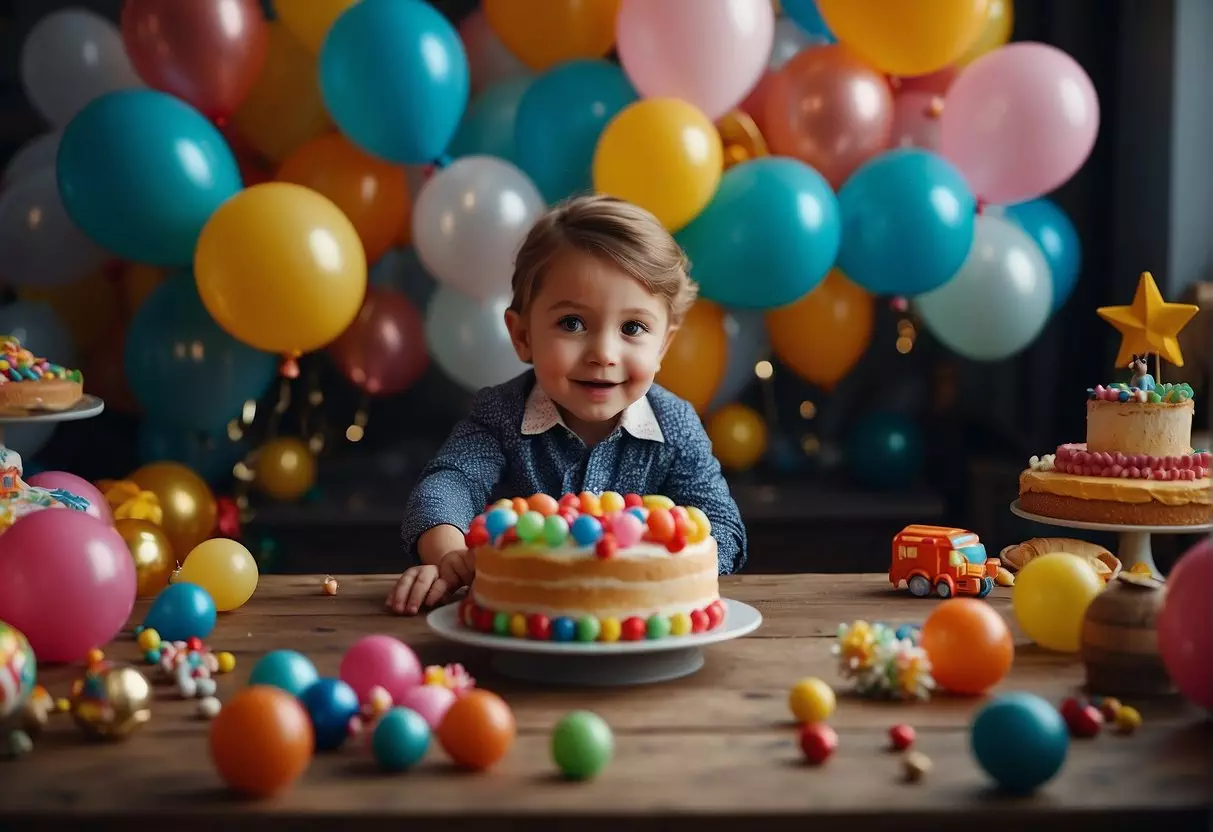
(941, 559)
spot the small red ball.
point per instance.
(467, 612)
(509, 536)
(901, 736)
(1087, 722)
(568, 516)
(476, 536)
(699, 621)
(606, 547)
(633, 629)
(1070, 708)
(818, 741)
(538, 627)
(632, 500)
(479, 520)
(715, 613)
(193, 643)
(570, 501)
(482, 620)
(676, 543)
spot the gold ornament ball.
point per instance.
(285, 468)
(112, 702)
(186, 501)
(152, 552)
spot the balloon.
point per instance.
(664, 155)
(138, 281)
(1184, 637)
(430, 701)
(69, 58)
(285, 468)
(708, 53)
(808, 18)
(400, 739)
(477, 730)
(225, 569)
(543, 33)
(288, 670)
(331, 704)
(400, 270)
(1000, 299)
(262, 741)
(183, 368)
(995, 31)
(283, 108)
(739, 436)
(821, 335)
(207, 54)
(188, 504)
(789, 41)
(1020, 121)
(181, 611)
(1052, 231)
(916, 120)
(151, 552)
(141, 171)
(281, 268)
(380, 661)
(90, 307)
(1050, 598)
(98, 506)
(905, 37)
(884, 450)
(372, 194)
(42, 246)
(829, 109)
(488, 59)
(559, 120)
(487, 128)
(36, 154)
(907, 223)
(935, 83)
(768, 237)
(394, 78)
(39, 330)
(950, 634)
(468, 340)
(311, 20)
(469, 221)
(694, 363)
(69, 583)
(746, 332)
(383, 350)
(211, 456)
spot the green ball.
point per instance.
(582, 745)
(530, 526)
(555, 530)
(501, 623)
(588, 628)
(658, 626)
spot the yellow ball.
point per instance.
(227, 662)
(811, 700)
(518, 627)
(611, 630)
(652, 501)
(703, 526)
(680, 624)
(224, 568)
(611, 501)
(1050, 598)
(148, 640)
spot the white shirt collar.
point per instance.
(541, 415)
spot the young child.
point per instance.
(600, 288)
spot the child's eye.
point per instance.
(634, 328)
(570, 323)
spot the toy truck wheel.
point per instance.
(943, 589)
(987, 586)
(919, 586)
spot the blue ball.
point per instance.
(586, 530)
(284, 669)
(563, 629)
(181, 612)
(400, 740)
(498, 520)
(330, 704)
(1020, 740)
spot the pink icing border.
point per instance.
(1074, 458)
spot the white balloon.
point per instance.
(69, 58)
(39, 243)
(36, 154)
(999, 301)
(488, 59)
(468, 339)
(469, 220)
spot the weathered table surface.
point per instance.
(718, 746)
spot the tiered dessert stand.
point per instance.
(87, 408)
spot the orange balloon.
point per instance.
(477, 730)
(543, 33)
(261, 741)
(969, 645)
(739, 436)
(822, 335)
(694, 365)
(372, 193)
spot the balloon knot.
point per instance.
(899, 304)
(221, 122)
(935, 108)
(981, 206)
(289, 368)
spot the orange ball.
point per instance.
(520, 506)
(261, 741)
(545, 504)
(477, 730)
(969, 645)
(661, 525)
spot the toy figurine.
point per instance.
(1142, 379)
(941, 559)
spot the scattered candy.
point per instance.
(209, 707)
(582, 745)
(818, 742)
(148, 639)
(1109, 706)
(400, 739)
(915, 766)
(330, 585)
(882, 665)
(901, 736)
(1083, 720)
(1128, 719)
(811, 700)
(1020, 740)
(225, 662)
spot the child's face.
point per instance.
(595, 336)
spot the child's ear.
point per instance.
(670, 332)
(520, 335)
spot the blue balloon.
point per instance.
(181, 612)
(331, 704)
(183, 368)
(560, 119)
(768, 237)
(209, 455)
(487, 128)
(1020, 740)
(1052, 230)
(288, 670)
(907, 223)
(140, 172)
(884, 450)
(394, 77)
(400, 740)
(809, 18)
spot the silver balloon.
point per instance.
(999, 301)
(468, 339)
(788, 41)
(747, 333)
(69, 58)
(35, 155)
(39, 244)
(469, 220)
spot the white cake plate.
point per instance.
(596, 664)
(86, 408)
(1134, 544)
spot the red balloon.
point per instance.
(206, 53)
(935, 83)
(383, 350)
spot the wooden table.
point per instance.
(718, 746)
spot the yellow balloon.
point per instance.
(906, 37)
(1000, 19)
(543, 33)
(662, 154)
(281, 268)
(224, 568)
(286, 468)
(1051, 597)
(739, 436)
(310, 20)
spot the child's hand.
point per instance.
(457, 568)
(418, 586)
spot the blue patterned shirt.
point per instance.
(513, 444)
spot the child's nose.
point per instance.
(603, 351)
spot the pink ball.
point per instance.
(98, 506)
(431, 701)
(67, 581)
(627, 529)
(1185, 637)
(380, 660)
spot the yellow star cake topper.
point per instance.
(1150, 324)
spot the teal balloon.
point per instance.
(400, 739)
(808, 18)
(394, 77)
(907, 223)
(286, 670)
(183, 368)
(560, 119)
(768, 237)
(211, 456)
(1052, 230)
(1020, 740)
(488, 125)
(39, 329)
(884, 450)
(140, 172)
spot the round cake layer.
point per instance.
(1110, 511)
(44, 394)
(1175, 493)
(1159, 429)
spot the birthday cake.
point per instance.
(18, 498)
(592, 567)
(29, 383)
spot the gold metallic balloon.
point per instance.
(286, 468)
(742, 139)
(153, 554)
(185, 499)
(113, 701)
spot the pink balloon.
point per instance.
(709, 53)
(379, 660)
(1019, 121)
(68, 583)
(936, 83)
(916, 120)
(1185, 634)
(431, 701)
(98, 506)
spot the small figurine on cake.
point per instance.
(1142, 380)
(18, 498)
(29, 383)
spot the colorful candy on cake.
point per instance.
(593, 567)
(18, 498)
(1137, 466)
(29, 383)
